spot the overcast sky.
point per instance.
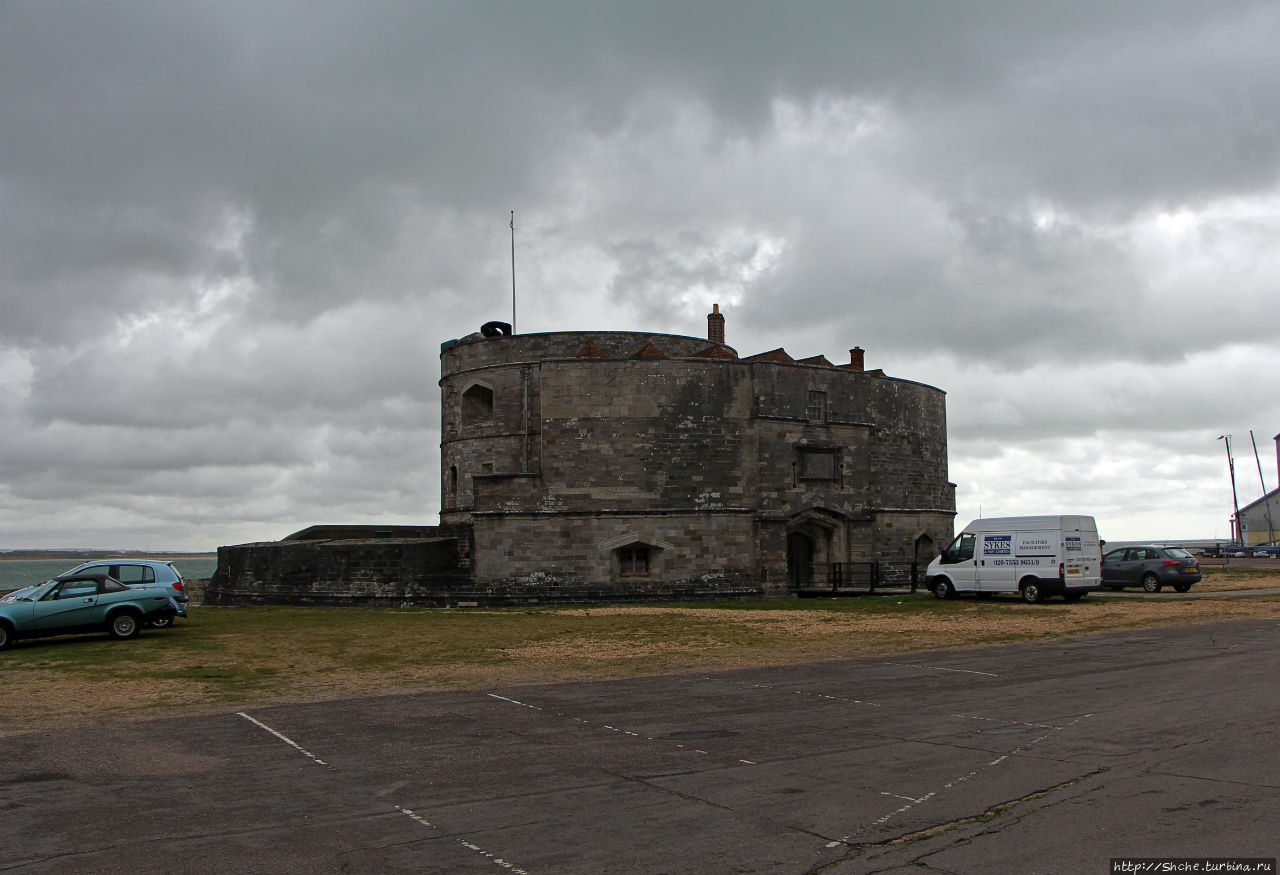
(233, 235)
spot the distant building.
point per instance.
(618, 464)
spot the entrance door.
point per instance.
(800, 549)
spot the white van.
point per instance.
(1035, 556)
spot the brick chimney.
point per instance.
(715, 325)
(856, 358)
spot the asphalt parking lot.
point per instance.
(1050, 757)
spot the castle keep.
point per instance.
(625, 465)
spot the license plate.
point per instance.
(1073, 571)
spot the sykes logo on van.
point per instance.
(997, 545)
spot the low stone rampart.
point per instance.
(428, 572)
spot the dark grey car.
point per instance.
(1150, 567)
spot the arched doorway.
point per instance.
(800, 550)
(925, 550)
(815, 549)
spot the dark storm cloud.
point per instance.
(233, 235)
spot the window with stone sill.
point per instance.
(633, 560)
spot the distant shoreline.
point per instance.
(85, 555)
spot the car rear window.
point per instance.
(1177, 553)
(137, 574)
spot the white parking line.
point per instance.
(941, 668)
(289, 741)
(470, 846)
(607, 727)
(954, 782)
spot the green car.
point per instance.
(82, 603)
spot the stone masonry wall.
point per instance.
(374, 572)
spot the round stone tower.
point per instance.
(624, 462)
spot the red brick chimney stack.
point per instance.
(856, 358)
(715, 325)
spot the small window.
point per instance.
(634, 560)
(477, 405)
(453, 479)
(817, 410)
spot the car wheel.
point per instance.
(6, 636)
(160, 622)
(944, 590)
(1182, 587)
(123, 625)
(1032, 593)
(1151, 583)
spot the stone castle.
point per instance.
(625, 465)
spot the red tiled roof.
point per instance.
(774, 355)
(716, 352)
(650, 352)
(817, 361)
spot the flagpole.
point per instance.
(513, 271)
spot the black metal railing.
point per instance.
(854, 578)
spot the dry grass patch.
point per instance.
(226, 658)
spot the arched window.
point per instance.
(453, 479)
(477, 405)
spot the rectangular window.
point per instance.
(817, 410)
(135, 574)
(634, 560)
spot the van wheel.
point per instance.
(944, 590)
(1031, 593)
(1151, 583)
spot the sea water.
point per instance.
(17, 573)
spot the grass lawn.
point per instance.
(224, 658)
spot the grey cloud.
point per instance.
(233, 235)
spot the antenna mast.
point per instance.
(1271, 528)
(513, 271)
(1231, 466)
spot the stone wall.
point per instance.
(348, 572)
